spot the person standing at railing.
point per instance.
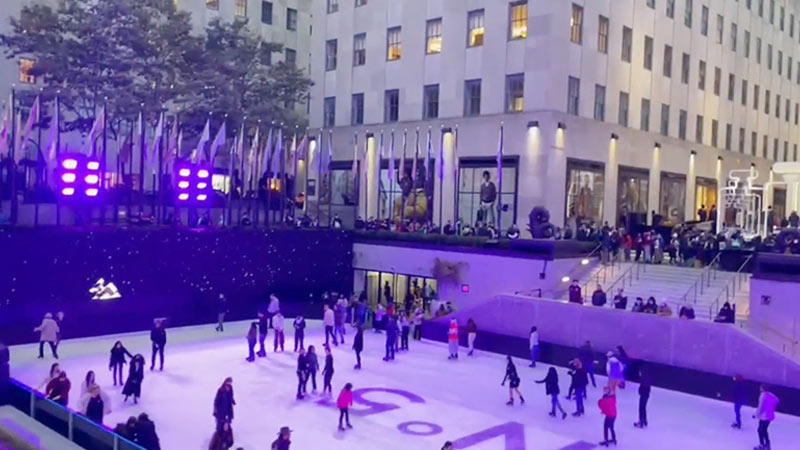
(599, 296)
(58, 389)
(95, 404)
(575, 292)
(620, 300)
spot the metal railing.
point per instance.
(731, 288)
(607, 272)
(629, 276)
(786, 345)
(703, 281)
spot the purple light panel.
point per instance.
(193, 188)
(78, 177)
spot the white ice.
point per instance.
(462, 397)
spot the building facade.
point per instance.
(606, 111)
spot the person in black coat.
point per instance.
(358, 346)
(513, 382)
(327, 372)
(599, 296)
(117, 361)
(128, 429)
(158, 336)
(222, 439)
(146, 433)
(223, 403)
(133, 385)
(644, 396)
(302, 368)
(299, 332)
(222, 309)
(739, 399)
(580, 380)
(391, 338)
(552, 389)
(251, 341)
(312, 366)
(586, 356)
(263, 330)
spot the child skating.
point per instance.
(513, 382)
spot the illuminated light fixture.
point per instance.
(70, 164)
(658, 145)
(91, 192)
(68, 191)
(202, 185)
(184, 196)
(562, 126)
(68, 177)
(533, 124)
(202, 197)
(203, 173)
(184, 172)
(614, 136)
(584, 261)
(93, 165)
(693, 153)
(183, 184)
(91, 179)
(565, 279)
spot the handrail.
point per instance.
(601, 276)
(704, 280)
(762, 331)
(639, 268)
(731, 287)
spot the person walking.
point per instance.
(580, 380)
(380, 312)
(312, 366)
(472, 332)
(391, 338)
(222, 309)
(58, 389)
(419, 316)
(405, 331)
(608, 407)
(158, 338)
(615, 371)
(273, 308)
(133, 385)
(329, 320)
(251, 341)
(283, 441)
(344, 402)
(739, 399)
(48, 332)
(533, 344)
(117, 361)
(263, 330)
(302, 369)
(299, 332)
(513, 382)
(224, 403)
(339, 316)
(327, 373)
(277, 325)
(358, 346)
(765, 413)
(94, 405)
(552, 389)
(222, 439)
(452, 339)
(644, 396)
(586, 355)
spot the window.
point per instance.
(720, 28)
(291, 19)
(687, 14)
(648, 53)
(785, 151)
(741, 139)
(357, 110)
(212, 4)
(470, 177)
(671, 8)
(775, 149)
(796, 113)
(777, 106)
(360, 3)
(665, 119)
(573, 96)
(789, 68)
(518, 20)
(360, 49)
(791, 25)
(731, 86)
(394, 47)
(602, 34)
(644, 120)
(798, 71)
(764, 146)
(717, 80)
(746, 44)
(766, 101)
(333, 6)
(780, 62)
(576, 25)
(772, 12)
(795, 153)
(753, 143)
(769, 56)
(266, 12)
(472, 98)
(787, 110)
(430, 101)
(667, 68)
(685, 69)
(728, 136)
(291, 57)
(599, 102)
(622, 118)
(651, 4)
(329, 112)
(391, 105)
(704, 21)
(744, 92)
(26, 71)
(760, 8)
(475, 28)
(758, 50)
(714, 132)
(734, 32)
(241, 8)
(330, 54)
(627, 40)
(682, 119)
(515, 92)
(698, 130)
(433, 36)
(782, 17)
(755, 97)
(701, 76)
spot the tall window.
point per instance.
(782, 17)
(391, 105)
(644, 122)
(476, 30)
(329, 112)
(701, 76)
(789, 68)
(755, 97)
(664, 119)
(777, 106)
(758, 50)
(714, 132)
(717, 80)
(791, 25)
(769, 56)
(394, 47)
(766, 101)
(741, 139)
(682, 121)
(576, 25)
(728, 136)
(26, 71)
(360, 3)
(622, 117)
(291, 19)
(360, 49)
(433, 36)
(518, 20)
(744, 93)
(651, 4)
(687, 14)
(746, 44)
(602, 34)
(704, 21)
(796, 113)
(472, 98)
(515, 92)
(720, 28)
(734, 32)
(333, 6)
(470, 176)
(772, 12)
(731, 86)
(430, 101)
(291, 57)
(241, 8)
(573, 95)
(667, 71)
(330, 54)
(685, 69)
(212, 4)
(753, 143)
(760, 8)
(357, 109)
(648, 53)
(627, 41)
(670, 8)
(266, 12)
(599, 102)
(698, 130)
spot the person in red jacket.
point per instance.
(344, 403)
(608, 406)
(452, 339)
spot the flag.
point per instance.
(52, 139)
(291, 156)
(33, 119)
(455, 155)
(138, 135)
(391, 159)
(174, 142)
(97, 128)
(354, 169)
(18, 124)
(267, 153)
(152, 158)
(329, 158)
(277, 155)
(125, 150)
(252, 156)
(200, 151)
(5, 131)
(402, 171)
(441, 158)
(414, 163)
(219, 141)
(428, 151)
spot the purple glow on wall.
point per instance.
(79, 178)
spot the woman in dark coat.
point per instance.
(222, 439)
(358, 346)
(117, 361)
(327, 372)
(551, 389)
(223, 403)
(133, 385)
(513, 380)
(312, 366)
(252, 335)
(146, 433)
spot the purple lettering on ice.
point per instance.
(513, 432)
(378, 407)
(409, 428)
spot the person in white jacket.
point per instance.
(533, 344)
(273, 308)
(328, 319)
(765, 413)
(48, 332)
(277, 325)
(95, 404)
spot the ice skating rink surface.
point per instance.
(416, 402)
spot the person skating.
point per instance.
(58, 389)
(644, 396)
(158, 337)
(580, 381)
(328, 320)
(116, 362)
(339, 316)
(312, 366)
(608, 407)
(765, 413)
(277, 325)
(327, 372)
(55, 370)
(146, 433)
(87, 383)
(94, 405)
(405, 330)
(552, 389)
(224, 403)
(452, 339)
(739, 400)
(133, 385)
(380, 312)
(251, 341)
(391, 338)
(358, 346)
(283, 441)
(222, 438)
(533, 344)
(344, 402)
(222, 309)
(586, 355)
(273, 308)
(419, 316)
(513, 382)
(472, 332)
(302, 368)
(615, 371)
(299, 332)
(48, 332)
(263, 331)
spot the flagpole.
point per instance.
(441, 178)
(58, 148)
(456, 181)
(378, 160)
(242, 181)
(130, 173)
(328, 172)
(402, 175)
(319, 175)
(116, 178)
(140, 123)
(39, 174)
(103, 163)
(12, 146)
(366, 175)
(389, 196)
(500, 183)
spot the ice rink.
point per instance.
(416, 402)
